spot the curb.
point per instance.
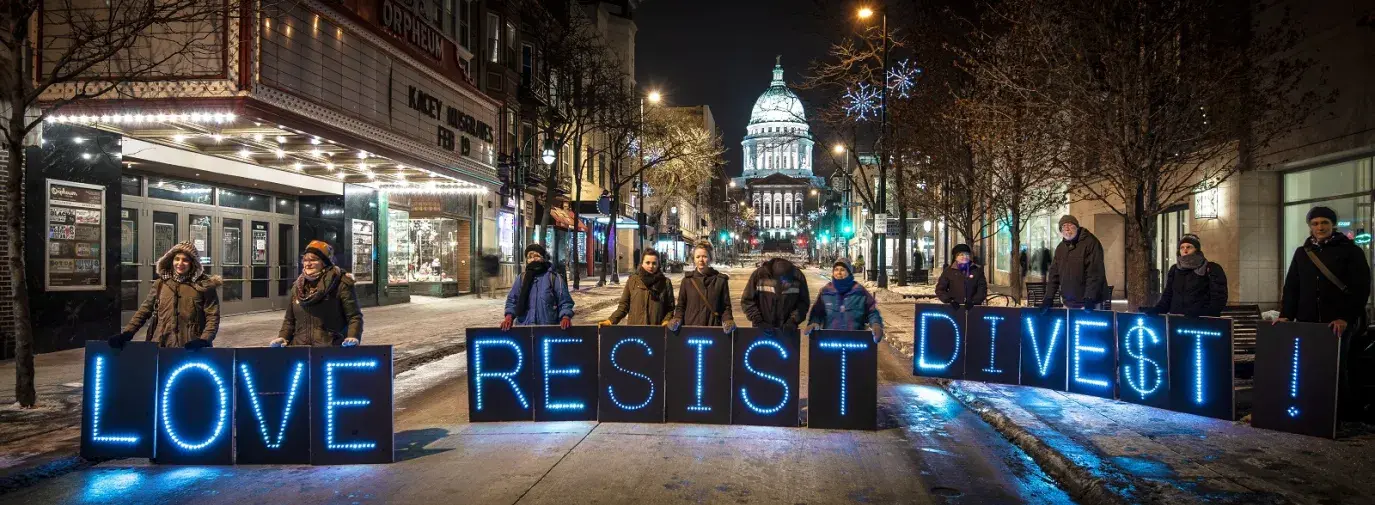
(55, 468)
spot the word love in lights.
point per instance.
(251, 406)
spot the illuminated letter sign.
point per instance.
(1044, 348)
(1296, 379)
(842, 385)
(272, 414)
(567, 373)
(1143, 358)
(698, 376)
(938, 342)
(195, 398)
(993, 351)
(500, 374)
(766, 374)
(632, 374)
(1201, 366)
(351, 421)
(117, 404)
(1092, 353)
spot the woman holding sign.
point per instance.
(539, 296)
(844, 304)
(1194, 286)
(182, 309)
(648, 296)
(963, 283)
(704, 296)
(323, 311)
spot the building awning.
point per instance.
(564, 218)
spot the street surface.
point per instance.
(929, 449)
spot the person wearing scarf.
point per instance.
(539, 296)
(648, 296)
(844, 304)
(182, 308)
(324, 311)
(704, 295)
(1194, 286)
(962, 284)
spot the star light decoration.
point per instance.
(862, 102)
(903, 78)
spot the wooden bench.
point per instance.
(1245, 320)
(1036, 291)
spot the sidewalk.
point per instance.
(1107, 451)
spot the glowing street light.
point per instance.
(865, 13)
(548, 157)
(838, 149)
(655, 97)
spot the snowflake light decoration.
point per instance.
(863, 102)
(902, 78)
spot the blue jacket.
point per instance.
(549, 300)
(852, 311)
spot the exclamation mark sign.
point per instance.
(1294, 381)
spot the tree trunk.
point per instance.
(1141, 275)
(901, 250)
(611, 223)
(24, 391)
(1018, 277)
(577, 200)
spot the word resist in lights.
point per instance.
(1043, 363)
(331, 403)
(1198, 358)
(842, 347)
(1140, 382)
(1294, 381)
(745, 395)
(700, 344)
(222, 393)
(612, 392)
(550, 372)
(1078, 325)
(992, 340)
(921, 354)
(479, 375)
(286, 409)
(95, 406)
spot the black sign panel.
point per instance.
(842, 380)
(566, 374)
(351, 405)
(500, 374)
(272, 413)
(697, 372)
(993, 353)
(1092, 353)
(766, 377)
(195, 402)
(117, 404)
(1143, 356)
(1201, 366)
(632, 374)
(1044, 349)
(1296, 379)
(939, 341)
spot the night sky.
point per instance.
(720, 53)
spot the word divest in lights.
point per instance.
(842, 386)
(766, 372)
(1143, 355)
(1092, 353)
(272, 414)
(1201, 369)
(994, 345)
(351, 389)
(1296, 379)
(938, 342)
(194, 402)
(1045, 349)
(500, 376)
(632, 374)
(118, 400)
(697, 376)
(567, 373)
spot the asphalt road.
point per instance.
(928, 449)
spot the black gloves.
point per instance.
(968, 305)
(199, 343)
(118, 340)
(954, 305)
(1090, 304)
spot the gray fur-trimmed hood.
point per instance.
(198, 275)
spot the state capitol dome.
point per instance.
(777, 138)
(778, 104)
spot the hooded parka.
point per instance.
(645, 305)
(180, 309)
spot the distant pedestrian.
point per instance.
(1043, 265)
(776, 296)
(648, 296)
(859, 265)
(1194, 286)
(182, 308)
(1077, 270)
(490, 270)
(962, 284)
(324, 311)
(704, 296)
(844, 304)
(538, 296)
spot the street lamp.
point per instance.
(548, 157)
(838, 149)
(881, 229)
(655, 97)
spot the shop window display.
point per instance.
(434, 242)
(398, 246)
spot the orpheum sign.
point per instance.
(414, 21)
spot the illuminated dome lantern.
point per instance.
(777, 139)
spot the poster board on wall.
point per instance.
(363, 240)
(74, 242)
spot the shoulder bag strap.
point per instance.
(1325, 272)
(697, 284)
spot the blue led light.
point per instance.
(286, 409)
(1140, 382)
(842, 346)
(992, 342)
(745, 395)
(700, 344)
(1042, 366)
(222, 394)
(331, 403)
(1079, 324)
(95, 409)
(479, 375)
(570, 372)
(921, 354)
(612, 392)
(1294, 381)
(1198, 358)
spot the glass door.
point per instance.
(259, 269)
(233, 249)
(287, 262)
(132, 267)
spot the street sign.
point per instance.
(939, 340)
(1201, 366)
(117, 402)
(195, 400)
(351, 405)
(1092, 353)
(272, 413)
(994, 349)
(1143, 357)
(1296, 379)
(1044, 355)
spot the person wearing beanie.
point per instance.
(844, 304)
(324, 311)
(183, 308)
(648, 296)
(1076, 270)
(539, 295)
(776, 296)
(962, 284)
(1194, 286)
(704, 295)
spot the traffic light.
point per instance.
(725, 236)
(849, 231)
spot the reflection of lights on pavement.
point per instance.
(111, 484)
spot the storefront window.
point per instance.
(128, 184)
(181, 191)
(286, 206)
(506, 235)
(434, 243)
(243, 200)
(1343, 187)
(398, 246)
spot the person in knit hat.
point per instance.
(844, 304)
(962, 284)
(1077, 270)
(182, 308)
(324, 311)
(539, 295)
(1194, 286)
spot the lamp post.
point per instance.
(654, 97)
(866, 13)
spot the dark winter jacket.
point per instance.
(1190, 294)
(955, 286)
(1309, 297)
(326, 321)
(1077, 271)
(773, 302)
(549, 300)
(849, 311)
(704, 299)
(643, 305)
(179, 311)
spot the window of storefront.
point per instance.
(1344, 187)
(286, 206)
(434, 242)
(506, 235)
(1040, 235)
(1171, 225)
(181, 191)
(398, 245)
(245, 200)
(129, 185)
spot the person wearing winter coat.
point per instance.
(1077, 269)
(538, 296)
(704, 296)
(648, 296)
(844, 304)
(962, 284)
(1194, 286)
(324, 311)
(182, 308)
(776, 295)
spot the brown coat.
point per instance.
(641, 307)
(327, 322)
(179, 311)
